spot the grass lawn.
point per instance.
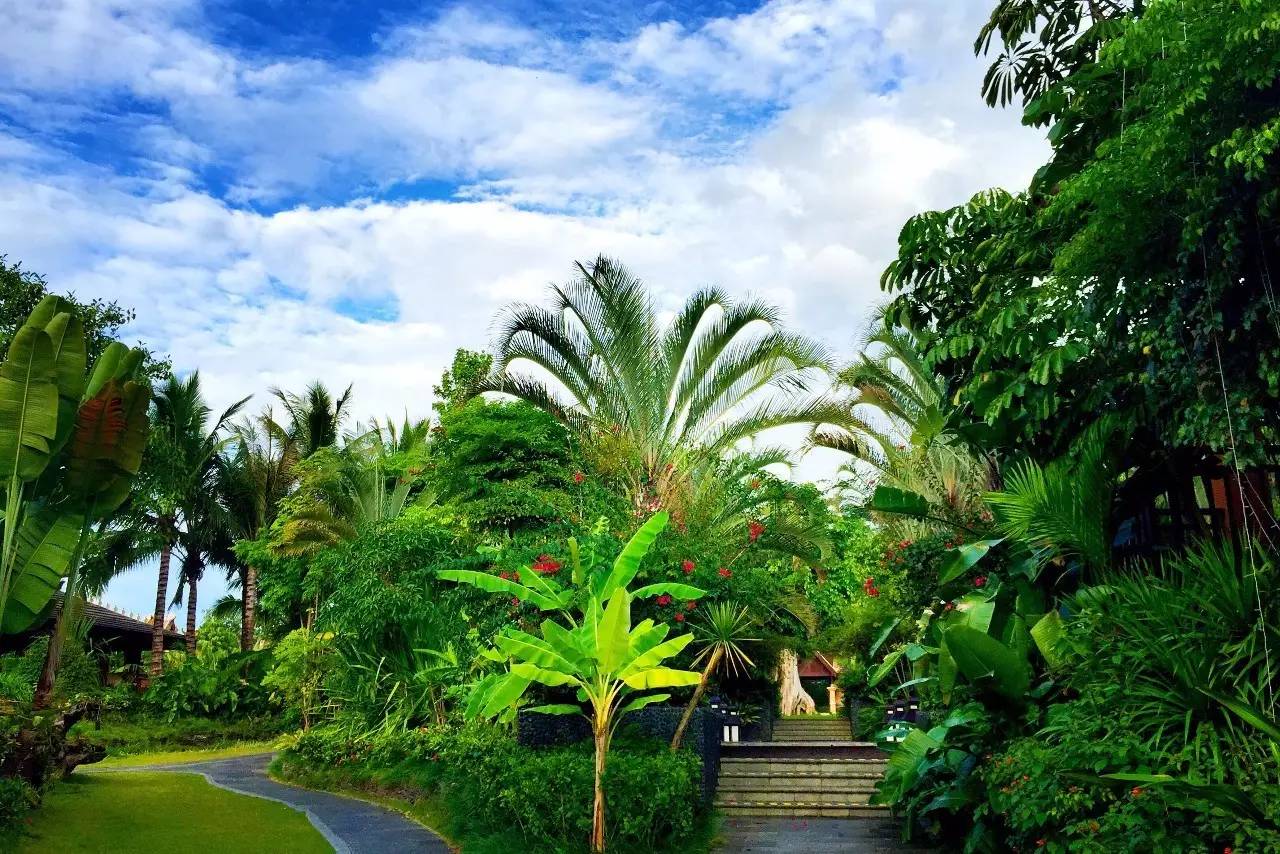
(178, 757)
(166, 811)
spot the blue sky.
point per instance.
(287, 190)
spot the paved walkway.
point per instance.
(351, 826)
(811, 836)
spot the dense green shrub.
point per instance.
(17, 798)
(125, 734)
(211, 686)
(494, 788)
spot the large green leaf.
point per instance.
(671, 588)
(541, 653)
(641, 702)
(898, 502)
(46, 543)
(662, 677)
(556, 709)
(541, 675)
(613, 641)
(963, 558)
(66, 334)
(493, 584)
(886, 629)
(655, 655)
(947, 671)
(884, 668)
(627, 563)
(28, 405)
(503, 693)
(982, 658)
(1049, 633)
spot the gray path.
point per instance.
(351, 826)
(810, 836)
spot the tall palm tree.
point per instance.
(183, 454)
(315, 418)
(255, 476)
(723, 633)
(672, 398)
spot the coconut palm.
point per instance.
(315, 418)
(183, 457)
(255, 477)
(669, 399)
(722, 632)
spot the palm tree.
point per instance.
(722, 633)
(183, 455)
(896, 423)
(207, 541)
(315, 418)
(342, 491)
(672, 399)
(255, 477)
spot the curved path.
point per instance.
(351, 826)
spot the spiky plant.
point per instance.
(723, 631)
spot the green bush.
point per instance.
(537, 799)
(211, 687)
(124, 735)
(17, 799)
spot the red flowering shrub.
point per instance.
(754, 530)
(664, 599)
(546, 565)
(725, 572)
(687, 566)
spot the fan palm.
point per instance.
(183, 464)
(673, 398)
(896, 423)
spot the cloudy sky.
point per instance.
(346, 189)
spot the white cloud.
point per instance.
(802, 207)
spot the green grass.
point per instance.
(179, 757)
(123, 735)
(165, 811)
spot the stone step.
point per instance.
(736, 781)
(735, 808)
(781, 796)
(803, 767)
(820, 789)
(806, 749)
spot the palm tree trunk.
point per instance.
(249, 592)
(712, 664)
(597, 811)
(157, 621)
(191, 615)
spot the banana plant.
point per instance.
(70, 446)
(610, 664)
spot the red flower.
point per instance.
(1136, 791)
(579, 477)
(679, 617)
(948, 607)
(755, 483)
(664, 599)
(515, 601)
(687, 566)
(1040, 843)
(869, 588)
(504, 574)
(690, 605)
(980, 581)
(724, 572)
(546, 565)
(754, 530)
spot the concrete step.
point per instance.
(733, 808)
(778, 790)
(797, 749)
(780, 796)
(797, 783)
(803, 767)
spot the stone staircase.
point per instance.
(812, 768)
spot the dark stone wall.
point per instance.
(761, 729)
(534, 729)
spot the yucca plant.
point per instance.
(723, 631)
(594, 650)
(670, 400)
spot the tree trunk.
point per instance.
(249, 607)
(157, 623)
(712, 664)
(795, 700)
(53, 656)
(597, 811)
(191, 615)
